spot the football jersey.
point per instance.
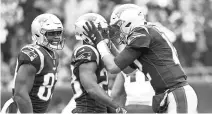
(133, 85)
(85, 54)
(45, 78)
(150, 46)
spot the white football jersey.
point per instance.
(138, 90)
(69, 107)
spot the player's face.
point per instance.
(54, 38)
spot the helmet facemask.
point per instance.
(117, 33)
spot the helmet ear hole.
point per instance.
(37, 35)
(128, 24)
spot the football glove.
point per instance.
(92, 33)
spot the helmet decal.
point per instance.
(42, 21)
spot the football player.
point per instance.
(89, 79)
(137, 100)
(72, 104)
(148, 44)
(36, 67)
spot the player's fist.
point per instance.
(92, 32)
(121, 110)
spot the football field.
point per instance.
(63, 94)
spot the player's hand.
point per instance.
(92, 32)
(121, 110)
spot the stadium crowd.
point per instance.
(191, 23)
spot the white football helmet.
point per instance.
(98, 21)
(47, 31)
(125, 18)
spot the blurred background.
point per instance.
(189, 20)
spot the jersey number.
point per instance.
(174, 51)
(77, 88)
(45, 91)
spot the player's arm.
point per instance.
(23, 85)
(88, 78)
(118, 91)
(139, 42)
(113, 48)
(112, 63)
(115, 52)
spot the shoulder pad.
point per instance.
(85, 53)
(139, 37)
(30, 54)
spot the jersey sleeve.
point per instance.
(127, 57)
(139, 38)
(138, 43)
(84, 54)
(28, 55)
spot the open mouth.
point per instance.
(55, 41)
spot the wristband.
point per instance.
(103, 48)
